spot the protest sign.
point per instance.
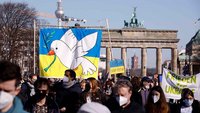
(173, 84)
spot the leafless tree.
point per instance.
(16, 22)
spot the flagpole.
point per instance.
(110, 45)
(34, 29)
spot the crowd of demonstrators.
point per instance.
(69, 95)
(10, 78)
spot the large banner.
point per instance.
(173, 84)
(76, 49)
(117, 66)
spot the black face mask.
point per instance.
(40, 94)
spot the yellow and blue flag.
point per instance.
(77, 49)
(117, 66)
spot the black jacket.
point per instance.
(68, 97)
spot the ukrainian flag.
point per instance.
(76, 48)
(117, 66)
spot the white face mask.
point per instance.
(121, 100)
(146, 87)
(5, 99)
(65, 79)
(155, 98)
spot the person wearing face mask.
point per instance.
(144, 90)
(41, 102)
(156, 102)
(68, 93)
(10, 77)
(187, 103)
(27, 88)
(120, 101)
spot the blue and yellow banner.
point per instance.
(116, 66)
(77, 49)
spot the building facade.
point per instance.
(134, 61)
(193, 51)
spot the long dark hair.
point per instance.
(159, 107)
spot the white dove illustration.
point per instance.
(70, 51)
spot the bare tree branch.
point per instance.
(15, 19)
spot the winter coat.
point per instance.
(68, 97)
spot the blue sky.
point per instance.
(157, 14)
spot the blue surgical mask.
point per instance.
(188, 102)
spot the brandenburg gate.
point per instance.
(144, 39)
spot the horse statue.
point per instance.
(125, 23)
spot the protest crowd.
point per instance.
(74, 95)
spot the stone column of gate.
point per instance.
(123, 56)
(174, 60)
(144, 62)
(159, 60)
(108, 58)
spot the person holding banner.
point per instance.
(156, 102)
(187, 103)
